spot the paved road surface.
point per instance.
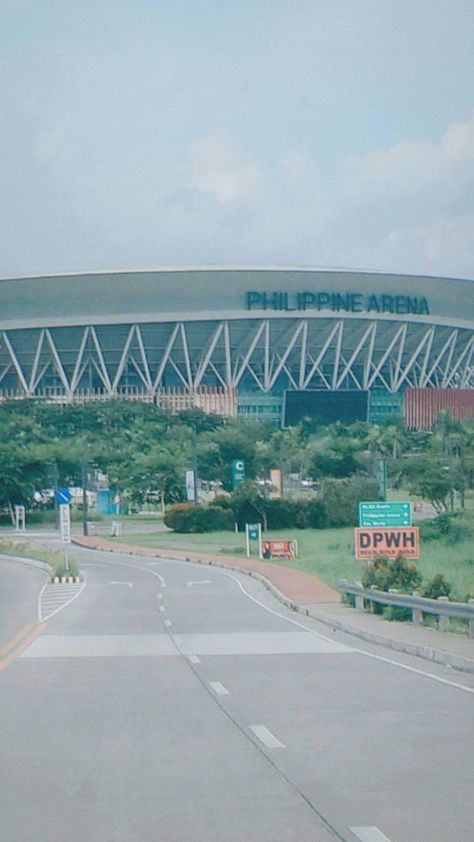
(175, 702)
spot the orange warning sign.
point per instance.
(388, 542)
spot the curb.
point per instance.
(30, 562)
(428, 653)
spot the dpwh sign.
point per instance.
(387, 542)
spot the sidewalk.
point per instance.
(308, 595)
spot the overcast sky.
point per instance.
(145, 133)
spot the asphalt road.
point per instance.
(176, 702)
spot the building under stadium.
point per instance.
(247, 341)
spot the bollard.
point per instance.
(359, 600)
(416, 613)
(443, 619)
(471, 622)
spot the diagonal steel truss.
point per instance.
(265, 354)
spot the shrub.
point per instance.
(392, 573)
(397, 613)
(452, 528)
(437, 586)
(222, 501)
(187, 517)
(341, 498)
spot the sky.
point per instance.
(148, 133)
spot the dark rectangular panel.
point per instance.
(325, 406)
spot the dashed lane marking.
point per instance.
(193, 659)
(161, 608)
(266, 737)
(199, 582)
(369, 834)
(167, 623)
(128, 584)
(219, 688)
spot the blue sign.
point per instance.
(63, 496)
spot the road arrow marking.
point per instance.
(128, 584)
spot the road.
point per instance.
(173, 701)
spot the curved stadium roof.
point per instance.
(243, 328)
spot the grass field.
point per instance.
(327, 553)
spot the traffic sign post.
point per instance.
(253, 532)
(385, 514)
(65, 523)
(63, 496)
(382, 478)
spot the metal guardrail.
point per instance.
(441, 607)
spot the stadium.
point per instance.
(256, 342)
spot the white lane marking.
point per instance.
(161, 608)
(266, 737)
(168, 623)
(369, 834)
(219, 688)
(75, 594)
(438, 678)
(199, 582)
(159, 596)
(97, 646)
(163, 584)
(258, 643)
(152, 563)
(194, 659)
(128, 584)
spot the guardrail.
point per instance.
(442, 608)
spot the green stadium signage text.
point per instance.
(350, 302)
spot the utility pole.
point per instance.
(84, 499)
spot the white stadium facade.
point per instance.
(241, 340)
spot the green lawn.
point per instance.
(328, 553)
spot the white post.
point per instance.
(247, 540)
(65, 523)
(260, 541)
(20, 521)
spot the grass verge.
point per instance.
(56, 559)
(327, 553)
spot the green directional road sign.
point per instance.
(385, 514)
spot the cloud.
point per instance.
(220, 168)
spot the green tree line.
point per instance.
(145, 451)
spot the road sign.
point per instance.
(387, 542)
(65, 523)
(279, 548)
(63, 495)
(238, 472)
(253, 532)
(385, 514)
